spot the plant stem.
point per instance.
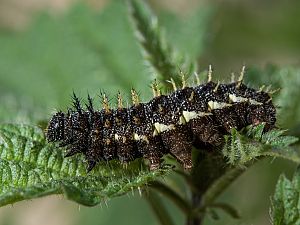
(221, 184)
(195, 219)
(210, 177)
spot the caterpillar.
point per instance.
(168, 124)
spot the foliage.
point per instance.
(285, 202)
(240, 149)
(165, 62)
(71, 53)
(31, 168)
(87, 58)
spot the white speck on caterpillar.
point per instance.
(162, 127)
(217, 105)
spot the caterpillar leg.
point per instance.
(154, 160)
(205, 131)
(126, 152)
(151, 150)
(179, 144)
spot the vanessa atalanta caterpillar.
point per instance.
(190, 116)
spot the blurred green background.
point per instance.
(48, 48)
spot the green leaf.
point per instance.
(163, 59)
(285, 208)
(242, 148)
(82, 50)
(31, 168)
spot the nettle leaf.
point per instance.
(285, 208)
(241, 148)
(32, 168)
(158, 53)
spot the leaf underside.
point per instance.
(32, 168)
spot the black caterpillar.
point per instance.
(173, 123)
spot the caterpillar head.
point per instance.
(55, 129)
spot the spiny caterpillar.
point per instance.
(191, 116)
